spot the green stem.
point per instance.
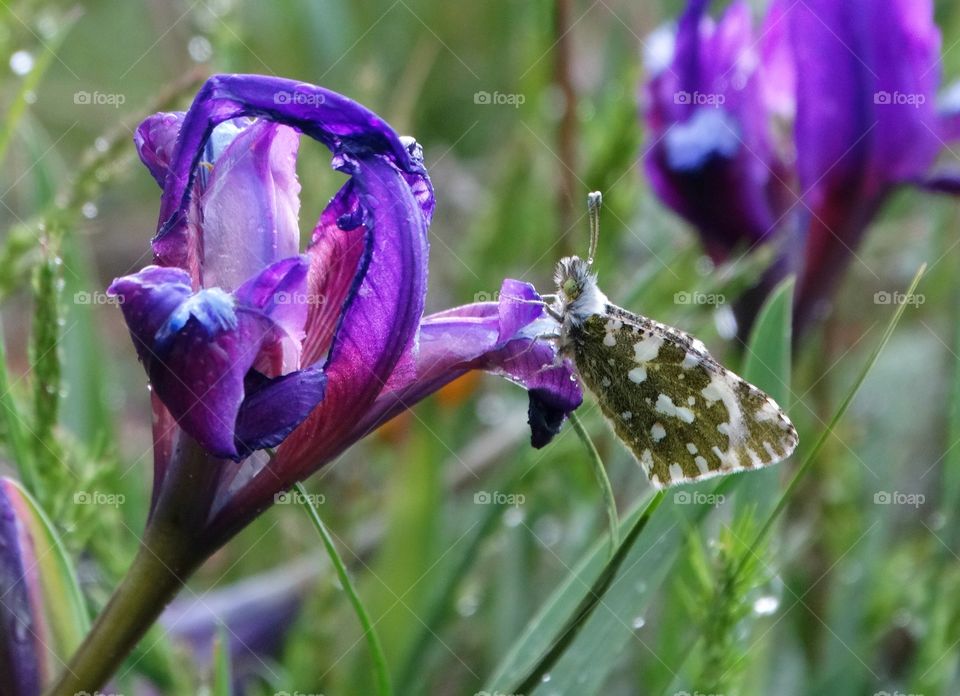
(601, 475)
(169, 553)
(373, 641)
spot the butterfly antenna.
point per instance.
(594, 201)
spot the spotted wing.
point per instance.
(684, 416)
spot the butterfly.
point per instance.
(684, 416)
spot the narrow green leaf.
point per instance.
(767, 365)
(18, 106)
(373, 641)
(841, 411)
(602, 480)
(15, 435)
(45, 361)
(222, 671)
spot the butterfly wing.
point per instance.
(684, 416)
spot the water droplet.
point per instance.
(30, 97)
(513, 517)
(639, 622)
(545, 678)
(21, 62)
(467, 605)
(89, 210)
(766, 605)
(200, 49)
(101, 144)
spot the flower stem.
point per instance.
(169, 553)
(601, 475)
(369, 632)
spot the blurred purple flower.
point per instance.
(249, 344)
(855, 81)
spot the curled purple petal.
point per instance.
(198, 349)
(272, 408)
(155, 139)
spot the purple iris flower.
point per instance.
(250, 344)
(798, 131)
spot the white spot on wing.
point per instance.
(647, 349)
(666, 406)
(658, 432)
(676, 472)
(690, 360)
(701, 463)
(637, 374)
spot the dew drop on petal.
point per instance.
(638, 622)
(21, 62)
(545, 678)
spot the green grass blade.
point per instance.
(14, 436)
(373, 641)
(222, 681)
(840, 412)
(602, 480)
(18, 106)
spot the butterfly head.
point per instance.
(578, 296)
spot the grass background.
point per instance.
(847, 596)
